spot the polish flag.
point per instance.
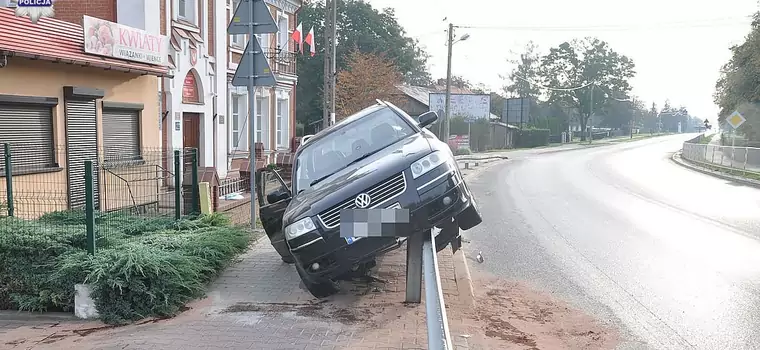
(309, 39)
(298, 36)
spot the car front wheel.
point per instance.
(320, 288)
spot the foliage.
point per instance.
(589, 62)
(366, 78)
(363, 28)
(462, 152)
(738, 87)
(523, 78)
(528, 138)
(150, 269)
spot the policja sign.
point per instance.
(252, 17)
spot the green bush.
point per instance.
(528, 138)
(462, 152)
(151, 269)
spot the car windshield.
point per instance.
(369, 134)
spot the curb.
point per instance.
(462, 275)
(25, 316)
(676, 158)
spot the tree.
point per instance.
(738, 87)
(523, 77)
(582, 71)
(362, 27)
(367, 77)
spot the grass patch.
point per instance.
(151, 267)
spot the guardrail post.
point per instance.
(89, 206)
(746, 155)
(177, 186)
(195, 191)
(9, 179)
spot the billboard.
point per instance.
(516, 111)
(116, 40)
(469, 106)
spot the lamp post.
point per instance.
(446, 125)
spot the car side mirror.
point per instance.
(427, 118)
(277, 196)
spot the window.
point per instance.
(365, 134)
(121, 134)
(29, 131)
(260, 105)
(282, 123)
(186, 10)
(235, 121)
(282, 34)
(238, 39)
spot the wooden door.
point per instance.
(191, 136)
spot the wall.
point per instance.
(39, 193)
(73, 10)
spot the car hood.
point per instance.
(358, 177)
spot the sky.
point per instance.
(678, 46)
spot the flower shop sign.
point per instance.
(115, 40)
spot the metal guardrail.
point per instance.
(739, 160)
(439, 337)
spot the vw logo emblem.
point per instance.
(362, 200)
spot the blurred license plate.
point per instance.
(351, 240)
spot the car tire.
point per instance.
(469, 218)
(288, 259)
(319, 289)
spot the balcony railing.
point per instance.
(282, 62)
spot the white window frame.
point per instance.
(261, 115)
(190, 8)
(283, 35)
(236, 40)
(235, 119)
(282, 116)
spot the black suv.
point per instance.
(382, 155)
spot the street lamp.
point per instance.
(446, 125)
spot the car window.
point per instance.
(269, 184)
(335, 151)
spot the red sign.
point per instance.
(459, 141)
(190, 89)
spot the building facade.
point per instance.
(65, 100)
(274, 119)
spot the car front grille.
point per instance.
(380, 193)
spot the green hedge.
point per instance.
(528, 138)
(152, 268)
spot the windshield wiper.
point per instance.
(364, 156)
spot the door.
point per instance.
(81, 145)
(270, 184)
(191, 137)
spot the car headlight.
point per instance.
(427, 163)
(299, 228)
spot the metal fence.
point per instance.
(99, 197)
(743, 161)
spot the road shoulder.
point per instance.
(676, 158)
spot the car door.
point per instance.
(273, 197)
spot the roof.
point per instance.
(55, 40)
(422, 94)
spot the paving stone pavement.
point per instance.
(259, 303)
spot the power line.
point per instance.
(552, 88)
(708, 23)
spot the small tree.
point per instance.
(368, 77)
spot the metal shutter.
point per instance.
(29, 130)
(81, 145)
(121, 134)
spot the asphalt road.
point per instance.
(670, 256)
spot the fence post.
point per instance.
(89, 206)
(195, 191)
(8, 179)
(177, 186)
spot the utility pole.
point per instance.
(328, 101)
(333, 59)
(446, 125)
(591, 115)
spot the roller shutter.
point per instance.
(121, 134)
(81, 145)
(29, 130)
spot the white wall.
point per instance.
(220, 56)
